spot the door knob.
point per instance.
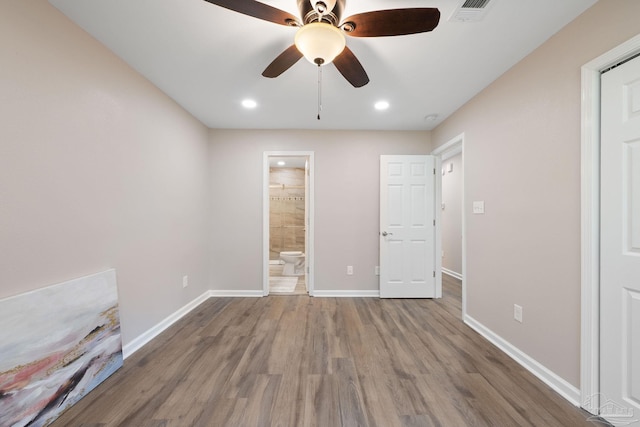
(385, 234)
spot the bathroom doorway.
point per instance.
(288, 223)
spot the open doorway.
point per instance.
(452, 215)
(288, 223)
(452, 212)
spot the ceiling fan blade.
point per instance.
(283, 62)
(351, 68)
(394, 22)
(257, 10)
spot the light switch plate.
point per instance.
(478, 207)
(517, 312)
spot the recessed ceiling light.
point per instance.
(281, 163)
(249, 103)
(381, 105)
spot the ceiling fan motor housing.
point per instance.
(329, 11)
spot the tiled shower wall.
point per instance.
(286, 210)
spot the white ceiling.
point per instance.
(208, 59)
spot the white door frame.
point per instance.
(449, 149)
(265, 217)
(590, 220)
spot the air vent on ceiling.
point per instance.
(470, 11)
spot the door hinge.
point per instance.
(434, 222)
(434, 274)
(434, 171)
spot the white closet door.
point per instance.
(620, 245)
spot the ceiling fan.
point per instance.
(321, 31)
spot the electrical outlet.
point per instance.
(517, 312)
(349, 270)
(376, 270)
(185, 281)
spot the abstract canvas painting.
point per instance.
(56, 345)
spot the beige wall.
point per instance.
(452, 214)
(98, 170)
(347, 168)
(522, 157)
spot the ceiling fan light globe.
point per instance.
(319, 40)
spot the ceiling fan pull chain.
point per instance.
(319, 90)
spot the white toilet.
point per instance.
(293, 263)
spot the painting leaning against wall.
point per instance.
(56, 345)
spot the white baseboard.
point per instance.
(452, 273)
(137, 343)
(236, 294)
(346, 294)
(561, 386)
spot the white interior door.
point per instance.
(620, 245)
(407, 227)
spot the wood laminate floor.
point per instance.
(300, 361)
